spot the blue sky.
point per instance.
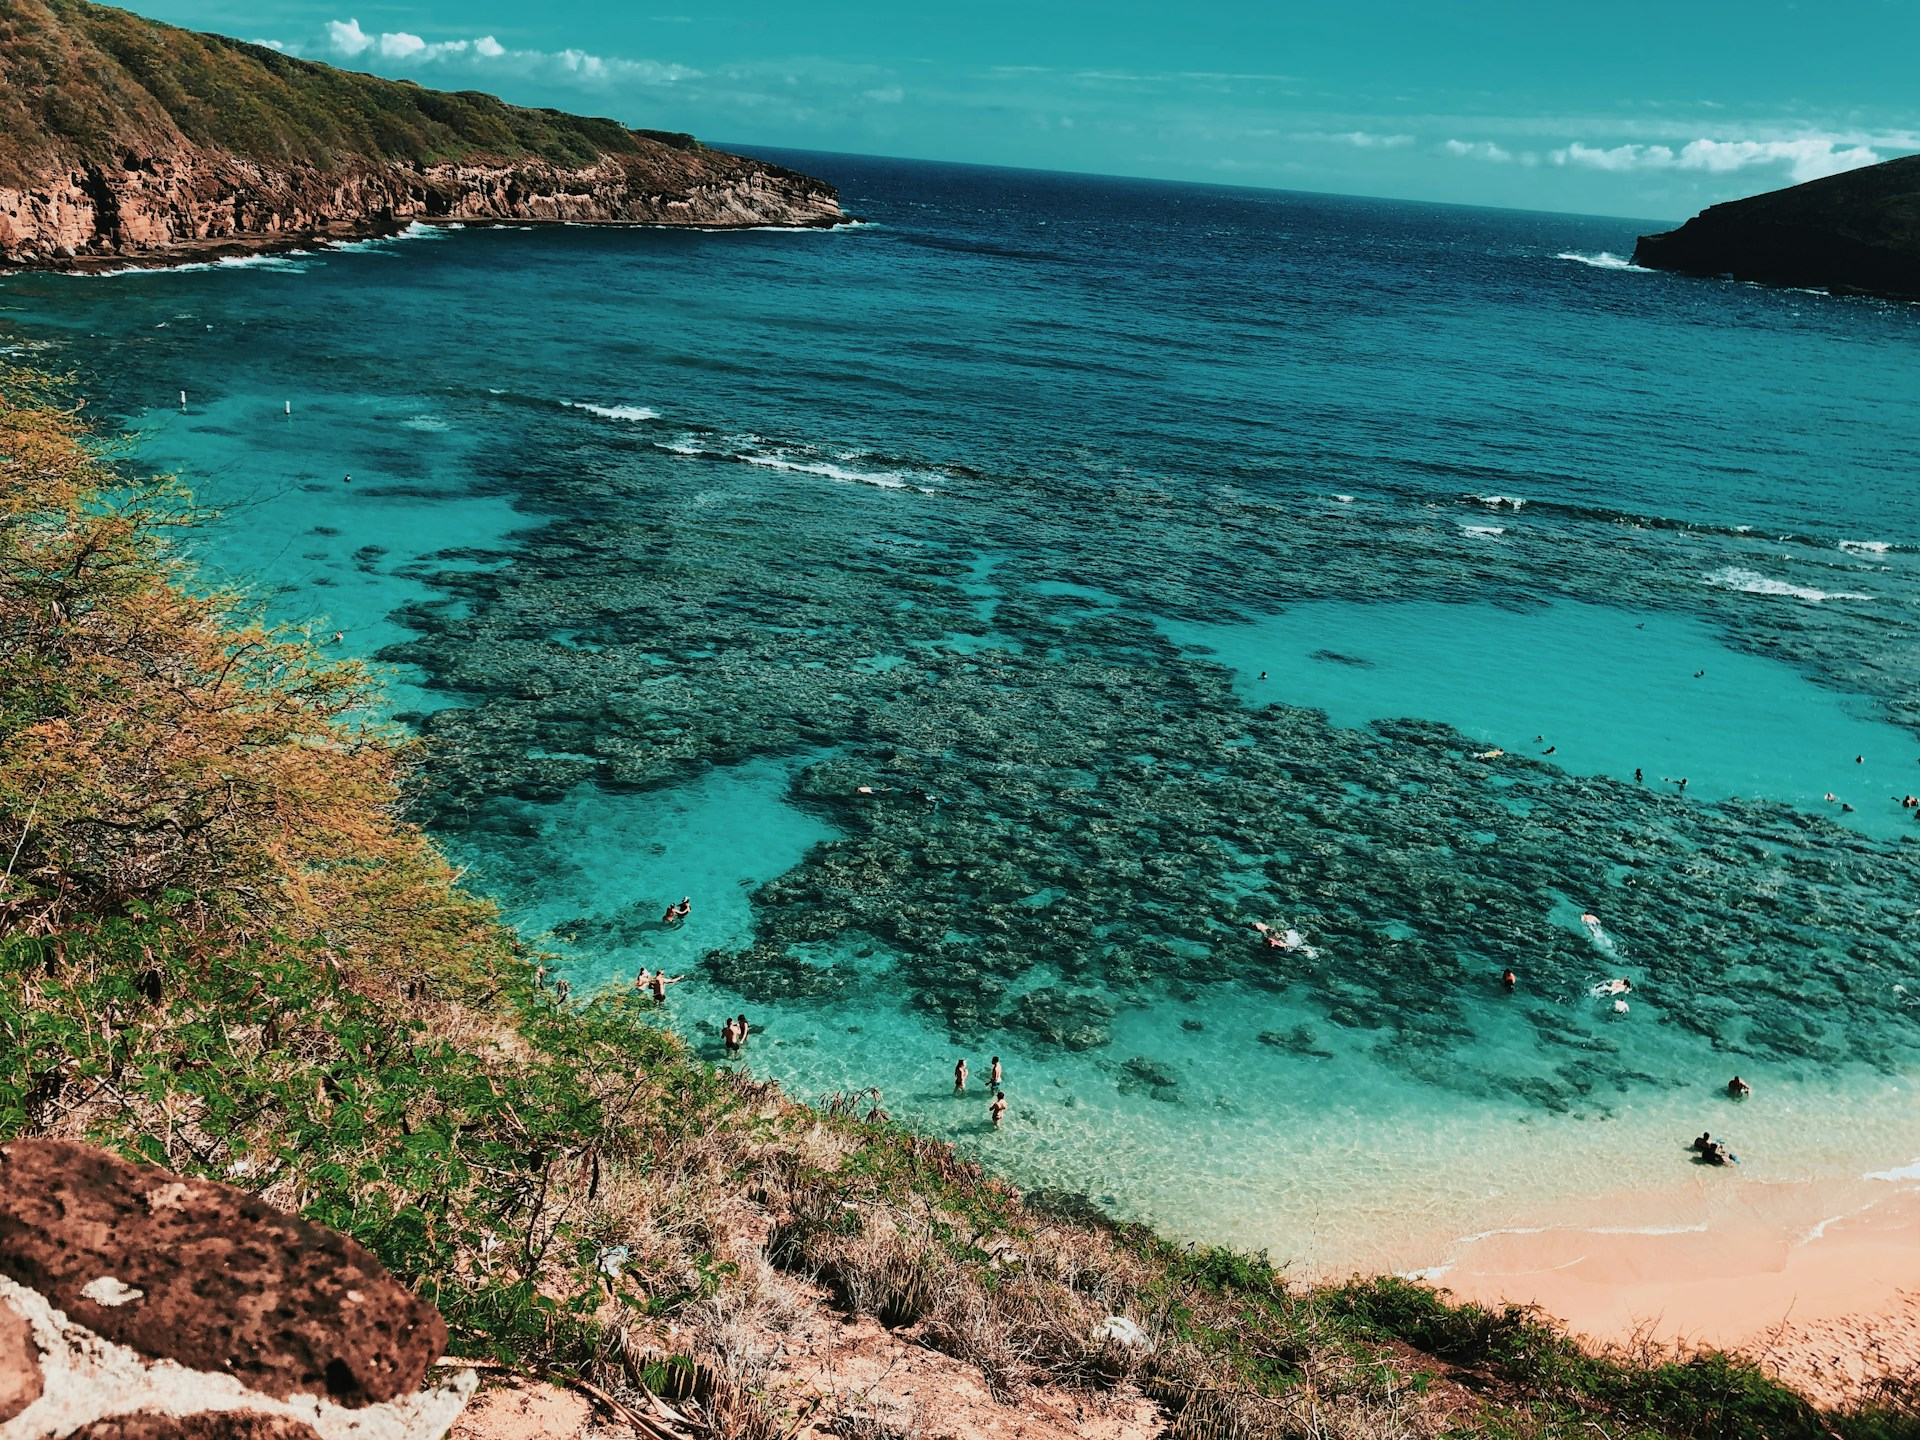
(1626, 108)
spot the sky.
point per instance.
(1631, 108)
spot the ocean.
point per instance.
(986, 612)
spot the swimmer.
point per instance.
(1639, 778)
(347, 481)
(642, 980)
(1508, 979)
(993, 1075)
(338, 636)
(1263, 674)
(730, 1037)
(1859, 759)
(743, 1028)
(1829, 797)
(685, 907)
(1590, 920)
(998, 1108)
(1700, 1145)
(1738, 1089)
(1698, 673)
(1488, 754)
(1620, 1007)
(660, 983)
(1550, 749)
(960, 1078)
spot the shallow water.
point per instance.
(997, 507)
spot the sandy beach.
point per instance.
(1821, 1281)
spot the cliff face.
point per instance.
(1854, 232)
(123, 139)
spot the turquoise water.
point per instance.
(900, 594)
(1599, 690)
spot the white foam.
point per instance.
(885, 479)
(1605, 260)
(1865, 547)
(1752, 582)
(1484, 529)
(1905, 1172)
(284, 260)
(614, 412)
(1344, 499)
(431, 424)
(1500, 502)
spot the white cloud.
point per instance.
(347, 38)
(485, 55)
(399, 45)
(1806, 158)
(1359, 139)
(1478, 150)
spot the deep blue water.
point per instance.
(998, 505)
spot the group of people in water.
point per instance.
(997, 1109)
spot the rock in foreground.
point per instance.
(1852, 233)
(122, 139)
(136, 1303)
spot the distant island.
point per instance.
(1857, 233)
(126, 141)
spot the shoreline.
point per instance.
(1816, 1280)
(241, 247)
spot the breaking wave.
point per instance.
(614, 412)
(1752, 582)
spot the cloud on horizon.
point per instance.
(1804, 157)
(1808, 158)
(484, 55)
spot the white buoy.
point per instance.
(289, 407)
(183, 399)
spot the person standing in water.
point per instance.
(960, 1078)
(1738, 1089)
(1508, 979)
(742, 1027)
(993, 1075)
(660, 982)
(731, 1038)
(998, 1108)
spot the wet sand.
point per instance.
(1820, 1281)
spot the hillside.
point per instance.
(124, 138)
(225, 949)
(1859, 231)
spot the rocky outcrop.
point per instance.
(192, 206)
(123, 140)
(1852, 233)
(135, 1305)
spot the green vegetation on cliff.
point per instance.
(87, 84)
(224, 948)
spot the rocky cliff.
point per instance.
(122, 139)
(1857, 232)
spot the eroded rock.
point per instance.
(209, 1277)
